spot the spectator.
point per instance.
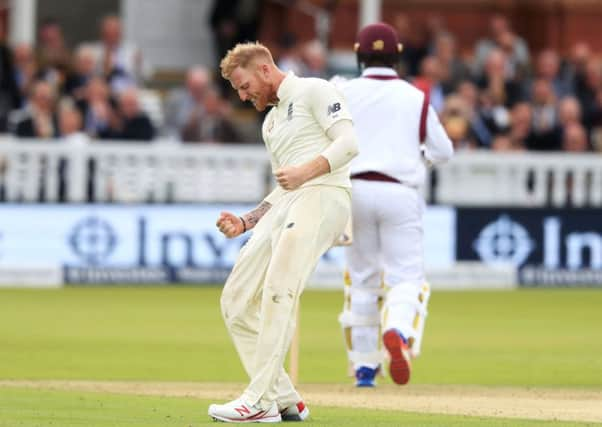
(575, 139)
(481, 133)
(232, 22)
(25, 69)
(70, 123)
(495, 79)
(546, 133)
(38, 119)
(130, 122)
(83, 70)
(521, 120)
(502, 142)
(213, 124)
(573, 70)
(121, 63)
(95, 108)
(453, 70)
(587, 89)
(569, 111)
(502, 37)
(430, 79)
(53, 56)
(547, 68)
(314, 60)
(494, 113)
(184, 103)
(455, 118)
(414, 44)
(289, 58)
(10, 96)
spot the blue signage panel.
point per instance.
(152, 243)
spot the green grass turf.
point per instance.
(34, 408)
(526, 337)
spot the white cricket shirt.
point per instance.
(294, 131)
(386, 116)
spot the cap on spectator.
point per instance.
(379, 38)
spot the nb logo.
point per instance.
(334, 108)
(243, 410)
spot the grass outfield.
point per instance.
(71, 409)
(536, 338)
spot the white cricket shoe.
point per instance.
(238, 411)
(297, 412)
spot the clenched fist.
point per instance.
(230, 225)
(291, 177)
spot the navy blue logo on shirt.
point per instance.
(289, 116)
(334, 108)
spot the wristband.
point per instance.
(244, 224)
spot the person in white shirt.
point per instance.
(310, 138)
(398, 132)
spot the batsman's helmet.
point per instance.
(378, 43)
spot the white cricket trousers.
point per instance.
(387, 250)
(261, 294)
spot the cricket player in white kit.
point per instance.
(386, 295)
(310, 138)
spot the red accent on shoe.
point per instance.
(243, 410)
(399, 365)
(300, 407)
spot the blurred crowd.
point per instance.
(502, 96)
(499, 96)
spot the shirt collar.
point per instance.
(286, 87)
(385, 72)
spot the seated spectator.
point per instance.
(569, 111)
(503, 38)
(480, 131)
(213, 124)
(129, 122)
(502, 142)
(547, 68)
(453, 70)
(546, 133)
(37, 119)
(521, 120)
(10, 95)
(96, 108)
(121, 63)
(496, 80)
(53, 56)
(52, 51)
(587, 91)
(25, 69)
(83, 70)
(595, 122)
(315, 63)
(289, 57)
(573, 70)
(455, 118)
(430, 79)
(184, 103)
(574, 139)
(415, 45)
(494, 113)
(70, 123)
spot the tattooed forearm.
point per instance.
(253, 217)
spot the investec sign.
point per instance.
(550, 247)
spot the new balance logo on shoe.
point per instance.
(239, 411)
(243, 410)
